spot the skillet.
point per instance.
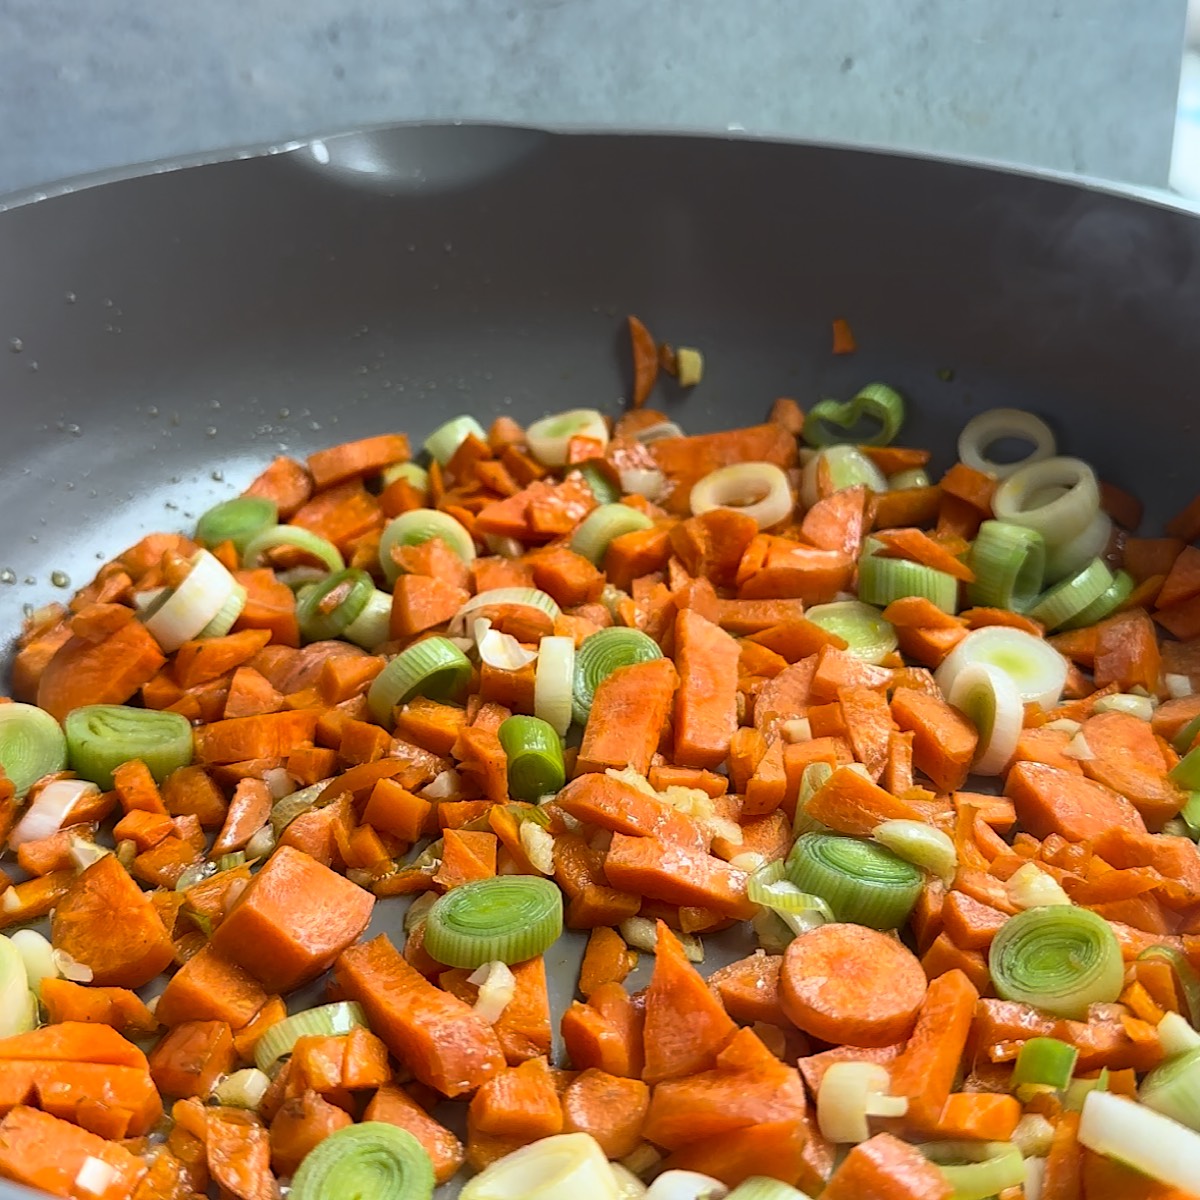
(162, 335)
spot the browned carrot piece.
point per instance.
(944, 740)
(125, 953)
(35, 897)
(851, 804)
(605, 1033)
(676, 874)
(104, 672)
(192, 1057)
(885, 1168)
(838, 522)
(706, 702)
(207, 659)
(48, 1154)
(286, 482)
(353, 459)
(209, 987)
(1127, 651)
(1049, 800)
(843, 337)
(609, 1108)
(792, 570)
(628, 713)
(393, 1105)
(442, 1040)
(118, 1007)
(607, 959)
(300, 1126)
(247, 814)
(519, 1102)
(394, 809)
(291, 922)
(645, 361)
(786, 696)
(686, 1027)
(238, 1149)
(711, 545)
(917, 546)
(850, 984)
(419, 603)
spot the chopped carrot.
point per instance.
(607, 959)
(627, 717)
(192, 1057)
(1049, 800)
(645, 361)
(849, 803)
(749, 989)
(118, 1007)
(705, 704)
(843, 337)
(105, 672)
(394, 1106)
(919, 547)
(851, 984)
(885, 1168)
(944, 740)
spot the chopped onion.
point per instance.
(1031, 887)
(629, 1186)
(657, 432)
(1033, 1135)
(643, 481)
(748, 861)
(38, 956)
(505, 547)
(1035, 1177)
(1141, 707)
(642, 1159)
(49, 810)
(1079, 749)
(1064, 725)
(1142, 1138)
(798, 729)
(553, 682)
(279, 782)
(95, 1176)
(642, 934)
(72, 969)
(1179, 687)
(497, 986)
(686, 1185)
(243, 1089)
(759, 490)
(18, 1005)
(538, 845)
(446, 784)
(262, 843)
(503, 652)
(552, 1168)
(689, 366)
(850, 1092)
(84, 852)
(1038, 670)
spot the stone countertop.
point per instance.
(1085, 86)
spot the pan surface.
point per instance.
(162, 336)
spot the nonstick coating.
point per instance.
(172, 332)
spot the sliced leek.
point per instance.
(297, 537)
(978, 1170)
(1044, 1062)
(759, 490)
(1059, 497)
(876, 402)
(373, 1159)
(567, 1166)
(328, 1020)
(602, 525)
(416, 477)
(446, 439)
(1059, 958)
(840, 467)
(867, 635)
(100, 737)
(1038, 670)
(1009, 562)
(1106, 603)
(989, 698)
(862, 882)
(1071, 597)
(1072, 556)
(599, 655)
(882, 580)
(18, 1005)
(760, 1187)
(31, 745)
(523, 597)
(554, 682)
(507, 917)
(243, 1089)
(982, 432)
(550, 438)
(851, 1093)
(1142, 1138)
(799, 910)
(237, 521)
(1176, 1036)
(180, 613)
(433, 667)
(686, 1185)
(535, 757)
(328, 609)
(422, 525)
(920, 844)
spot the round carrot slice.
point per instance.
(851, 985)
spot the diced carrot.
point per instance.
(705, 703)
(676, 874)
(711, 545)
(286, 482)
(420, 603)
(208, 987)
(628, 712)
(775, 1149)
(813, 1066)
(442, 1040)
(247, 814)
(1049, 800)
(1127, 651)
(105, 672)
(837, 522)
(793, 571)
(301, 1124)
(786, 696)
(849, 803)
(206, 659)
(238, 1150)
(34, 898)
(919, 547)
(125, 953)
(518, 1102)
(354, 459)
(272, 735)
(466, 856)
(850, 984)
(164, 864)
(118, 1007)
(645, 361)
(885, 1168)
(46, 1153)
(192, 1057)
(749, 989)
(944, 740)
(1064, 1163)
(1126, 757)
(251, 694)
(607, 959)
(970, 923)
(610, 1108)
(686, 1026)
(191, 790)
(270, 605)
(843, 337)
(394, 1106)
(977, 1116)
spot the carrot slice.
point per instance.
(944, 740)
(104, 672)
(627, 717)
(706, 702)
(393, 1105)
(850, 984)
(885, 1168)
(1049, 800)
(645, 361)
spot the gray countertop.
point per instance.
(1086, 86)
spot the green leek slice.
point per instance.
(1058, 958)
(31, 745)
(862, 882)
(597, 530)
(446, 439)
(876, 402)
(535, 757)
(328, 1020)
(1069, 600)
(298, 538)
(1044, 1062)
(433, 667)
(867, 635)
(882, 580)
(100, 737)
(369, 1161)
(978, 1170)
(599, 655)
(327, 609)
(508, 918)
(237, 521)
(422, 525)
(1009, 562)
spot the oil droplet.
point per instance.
(217, 476)
(211, 431)
(29, 581)
(70, 297)
(8, 575)
(16, 345)
(152, 411)
(60, 579)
